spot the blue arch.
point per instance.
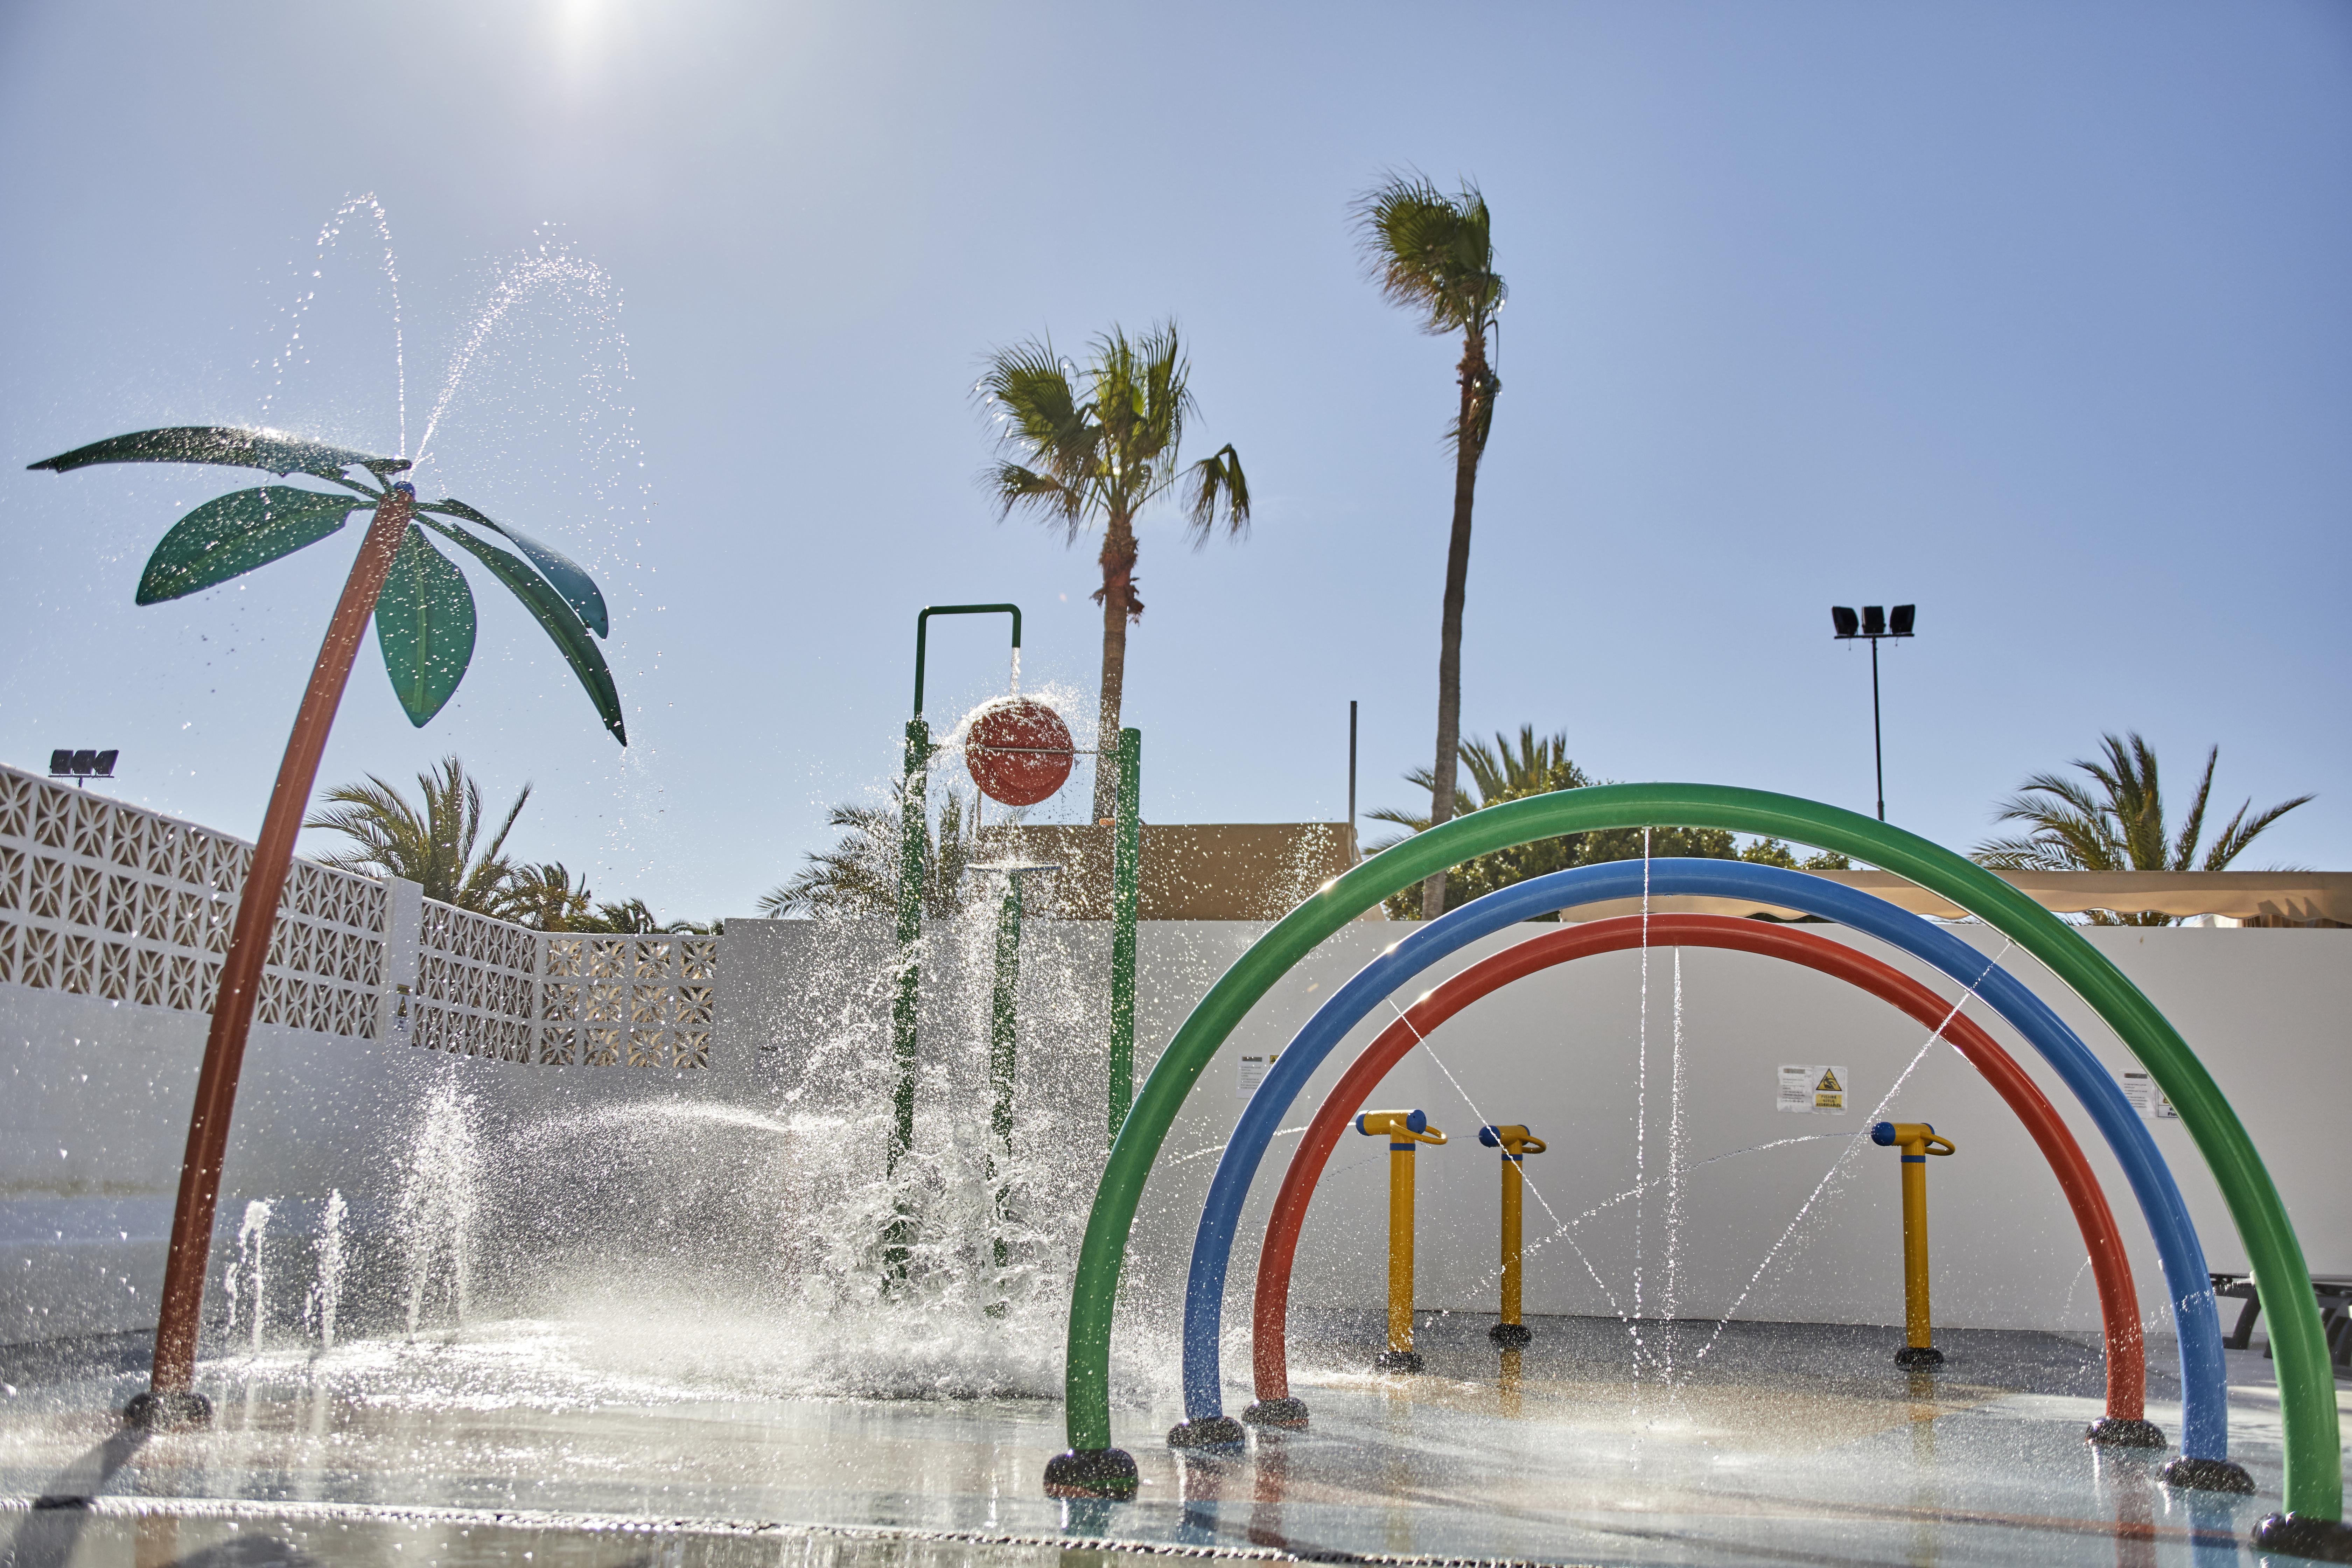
(2205, 1430)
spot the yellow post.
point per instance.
(1516, 1142)
(1918, 1140)
(1406, 1131)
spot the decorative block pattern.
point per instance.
(477, 985)
(638, 1001)
(107, 899)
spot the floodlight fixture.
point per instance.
(1872, 625)
(82, 765)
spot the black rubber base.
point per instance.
(1287, 1414)
(1091, 1473)
(180, 1410)
(1918, 1355)
(1211, 1431)
(1398, 1360)
(1511, 1336)
(2207, 1476)
(2299, 1535)
(2114, 1432)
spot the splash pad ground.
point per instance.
(541, 1442)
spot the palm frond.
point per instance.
(544, 897)
(2115, 821)
(1430, 253)
(859, 875)
(1084, 445)
(2184, 847)
(434, 844)
(1216, 477)
(2232, 840)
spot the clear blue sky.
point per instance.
(2036, 315)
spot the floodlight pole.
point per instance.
(1877, 747)
(1872, 626)
(905, 1004)
(1352, 856)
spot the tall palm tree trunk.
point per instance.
(1470, 444)
(1120, 606)
(248, 949)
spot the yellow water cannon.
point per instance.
(1406, 1130)
(1918, 1140)
(1516, 1142)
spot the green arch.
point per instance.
(2315, 1482)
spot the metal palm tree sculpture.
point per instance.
(423, 614)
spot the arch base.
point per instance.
(173, 1410)
(2211, 1476)
(1511, 1336)
(1091, 1473)
(2302, 1535)
(1211, 1431)
(1287, 1414)
(2114, 1432)
(1916, 1356)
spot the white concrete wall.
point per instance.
(93, 1116)
(2267, 1011)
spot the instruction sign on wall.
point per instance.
(1813, 1089)
(2152, 1103)
(1252, 1072)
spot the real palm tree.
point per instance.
(1507, 771)
(432, 846)
(2113, 820)
(545, 898)
(1092, 447)
(859, 875)
(1433, 254)
(1498, 773)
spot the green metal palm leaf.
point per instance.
(425, 627)
(425, 614)
(233, 534)
(579, 589)
(229, 446)
(555, 618)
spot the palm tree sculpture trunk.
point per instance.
(1120, 606)
(169, 1400)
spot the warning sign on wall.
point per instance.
(1252, 1072)
(2152, 1103)
(1814, 1089)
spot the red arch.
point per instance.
(2118, 1303)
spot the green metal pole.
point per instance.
(1003, 1059)
(1125, 879)
(914, 838)
(906, 1006)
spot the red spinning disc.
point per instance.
(1017, 751)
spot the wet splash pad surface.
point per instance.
(1795, 1443)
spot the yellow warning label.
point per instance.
(1829, 1084)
